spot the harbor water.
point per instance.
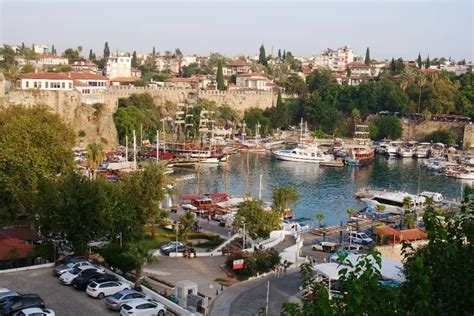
(322, 189)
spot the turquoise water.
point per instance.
(322, 189)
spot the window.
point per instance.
(63, 85)
(35, 84)
(46, 84)
(70, 85)
(27, 84)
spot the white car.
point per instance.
(141, 307)
(359, 238)
(68, 277)
(35, 311)
(107, 288)
(189, 207)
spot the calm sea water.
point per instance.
(322, 189)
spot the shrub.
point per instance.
(81, 133)
(257, 262)
(385, 127)
(445, 137)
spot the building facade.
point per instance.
(118, 66)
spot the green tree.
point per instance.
(367, 56)
(28, 68)
(419, 61)
(279, 54)
(262, 57)
(150, 187)
(283, 197)
(95, 156)
(294, 84)
(91, 55)
(351, 212)
(258, 221)
(385, 127)
(256, 116)
(186, 222)
(53, 50)
(444, 137)
(35, 144)
(134, 59)
(106, 50)
(427, 62)
(319, 217)
(220, 77)
(72, 55)
(409, 220)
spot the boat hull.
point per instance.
(289, 157)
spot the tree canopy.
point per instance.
(258, 221)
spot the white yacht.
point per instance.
(391, 200)
(303, 153)
(405, 151)
(392, 148)
(423, 150)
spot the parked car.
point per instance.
(171, 246)
(359, 238)
(116, 301)
(6, 293)
(67, 259)
(325, 246)
(17, 303)
(71, 265)
(141, 307)
(107, 288)
(352, 248)
(189, 207)
(82, 282)
(35, 311)
(180, 248)
(68, 277)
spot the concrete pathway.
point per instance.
(248, 297)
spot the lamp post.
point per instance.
(206, 299)
(243, 238)
(177, 231)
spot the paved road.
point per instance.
(210, 226)
(248, 297)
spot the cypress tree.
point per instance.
(393, 67)
(279, 54)
(367, 56)
(153, 52)
(23, 46)
(53, 50)
(427, 62)
(134, 59)
(419, 61)
(262, 57)
(284, 54)
(220, 77)
(106, 50)
(91, 55)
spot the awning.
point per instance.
(400, 235)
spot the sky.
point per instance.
(391, 28)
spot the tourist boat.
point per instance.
(467, 175)
(392, 148)
(310, 153)
(209, 160)
(359, 155)
(269, 144)
(405, 151)
(392, 201)
(422, 150)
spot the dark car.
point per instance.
(17, 303)
(81, 282)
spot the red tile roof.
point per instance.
(15, 249)
(407, 234)
(238, 63)
(124, 79)
(25, 234)
(64, 76)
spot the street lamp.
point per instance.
(243, 237)
(177, 231)
(206, 298)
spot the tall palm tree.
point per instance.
(140, 256)
(350, 211)
(407, 202)
(420, 82)
(12, 72)
(409, 220)
(95, 155)
(380, 207)
(320, 218)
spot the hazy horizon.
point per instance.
(389, 28)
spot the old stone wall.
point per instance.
(97, 125)
(413, 130)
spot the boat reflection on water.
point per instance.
(327, 190)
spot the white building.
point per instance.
(40, 49)
(254, 82)
(118, 66)
(334, 60)
(83, 82)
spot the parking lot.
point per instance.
(64, 300)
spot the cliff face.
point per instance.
(97, 125)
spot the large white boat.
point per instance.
(303, 153)
(392, 201)
(422, 150)
(392, 148)
(405, 151)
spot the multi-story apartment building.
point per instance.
(334, 59)
(118, 66)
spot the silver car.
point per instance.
(116, 301)
(68, 267)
